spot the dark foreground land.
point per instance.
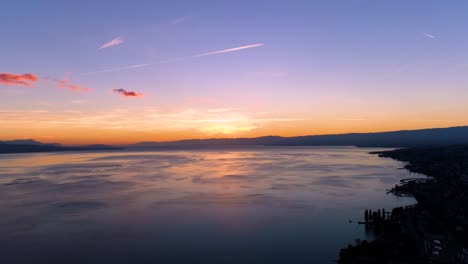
(432, 231)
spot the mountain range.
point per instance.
(392, 139)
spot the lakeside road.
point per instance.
(435, 229)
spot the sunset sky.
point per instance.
(81, 72)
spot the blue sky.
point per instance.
(385, 65)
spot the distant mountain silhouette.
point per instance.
(30, 145)
(267, 140)
(394, 139)
(402, 138)
(27, 142)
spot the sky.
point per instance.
(117, 72)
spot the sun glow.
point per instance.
(227, 128)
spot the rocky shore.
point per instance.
(432, 231)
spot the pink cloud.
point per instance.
(65, 84)
(26, 79)
(126, 93)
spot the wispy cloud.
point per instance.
(198, 121)
(177, 59)
(228, 50)
(429, 35)
(126, 93)
(179, 20)
(26, 79)
(65, 84)
(118, 69)
(112, 43)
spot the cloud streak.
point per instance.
(429, 35)
(126, 93)
(65, 84)
(227, 50)
(26, 79)
(118, 69)
(147, 119)
(115, 42)
(177, 59)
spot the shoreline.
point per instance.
(434, 230)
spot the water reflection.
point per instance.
(259, 205)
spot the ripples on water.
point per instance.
(266, 205)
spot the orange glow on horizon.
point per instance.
(128, 126)
(116, 137)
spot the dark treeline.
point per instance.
(374, 216)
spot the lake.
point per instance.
(250, 205)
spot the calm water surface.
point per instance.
(264, 205)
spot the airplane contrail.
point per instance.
(177, 59)
(118, 69)
(112, 43)
(429, 35)
(228, 50)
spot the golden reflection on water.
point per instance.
(304, 173)
(223, 194)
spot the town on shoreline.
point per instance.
(435, 230)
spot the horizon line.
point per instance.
(234, 138)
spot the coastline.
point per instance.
(434, 230)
